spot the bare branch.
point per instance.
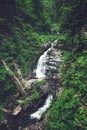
(15, 80)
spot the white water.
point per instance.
(37, 115)
(41, 66)
(40, 74)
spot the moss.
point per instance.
(24, 102)
(40, 82)
(36, 95)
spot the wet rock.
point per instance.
(42, 89)
(58, 46)
(52, 63)
(3, 122)
(47, 45)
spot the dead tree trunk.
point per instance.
(19, 74)
(18, 83)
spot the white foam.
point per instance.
(37, 115)
(41, 66)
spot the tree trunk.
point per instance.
(18, 83)
(19, 74)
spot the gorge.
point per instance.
(47, 69)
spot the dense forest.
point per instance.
(25, 26)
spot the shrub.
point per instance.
(40, 82)
(36, 95)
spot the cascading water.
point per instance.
(37, 115)
(41, 66)
(41, 74)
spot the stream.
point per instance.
(47, 68)
(41, 74)
(46, 62)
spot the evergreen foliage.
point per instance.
(19, 40)
(25, 25)
(70, 110)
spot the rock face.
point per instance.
(53, 62)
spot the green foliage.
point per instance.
(61, 115)
(71, 21)
(6, 87)
(62, 38)
(74, 77)
(24, 102)
(56, 27)
(43, 116)
(22, 47)
(36, 95)
(23, 23)
(69, 110)
(71, 15)
(75, 72)
(65, 112)
(43, 38)
(40, 82)
(72, 18)
(19, 41)
(25, 9)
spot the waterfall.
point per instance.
(37, 115)
(41, 66)
(41, 74)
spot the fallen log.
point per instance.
(19, 74)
